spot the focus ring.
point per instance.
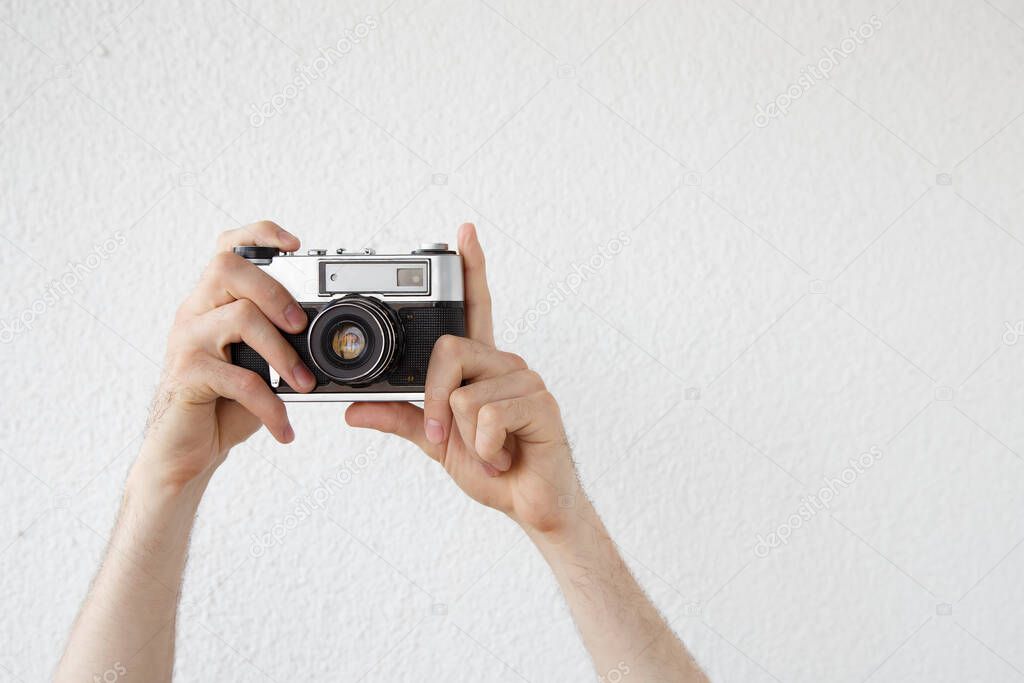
(384, 338)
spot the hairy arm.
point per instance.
(621, 629)
(126, 624)
(490, 421)
(204, 407)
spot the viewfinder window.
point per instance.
(410, 277)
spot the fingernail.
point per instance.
(289, 433)
(303, 376)
(504, 461)
(284, 235)
(489, 469)
(435, 432)
(295, 316)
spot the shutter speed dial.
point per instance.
(434, 248)
(258, 255)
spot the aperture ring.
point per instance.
(385, 332)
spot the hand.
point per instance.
(499, 436)
(205, 405)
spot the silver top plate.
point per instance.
(391, 277)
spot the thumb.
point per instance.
(402, 419)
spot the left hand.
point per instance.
(487, 418)
(205, 405)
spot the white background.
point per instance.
(791, 296)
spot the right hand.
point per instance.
(205, 405)
(488, 419)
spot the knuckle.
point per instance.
(461, 401)
(534, 379)
(515, 360)
(547, 401)
(231, 316)
(245, 311)
(488, 414)
(250, 383)
(223, 262)
(447, 344)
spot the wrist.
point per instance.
(152, 532)
(578, 529)
(171, 475)
(149, 490)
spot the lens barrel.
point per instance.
(355, 339)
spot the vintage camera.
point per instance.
(373, 319)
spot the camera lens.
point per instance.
(355, 339)
(348, 341)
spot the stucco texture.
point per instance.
(742, 245)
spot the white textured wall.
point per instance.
(791, 296)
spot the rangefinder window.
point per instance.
(383, 277)
(410, 277)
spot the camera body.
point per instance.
(373, 319)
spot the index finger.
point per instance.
(478, 296)
(453, 360)
(258, 234)
(231, 277)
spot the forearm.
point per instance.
(621, 628)
(204, 406)
(127, 621)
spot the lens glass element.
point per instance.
(355, 339)
(348, 341)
